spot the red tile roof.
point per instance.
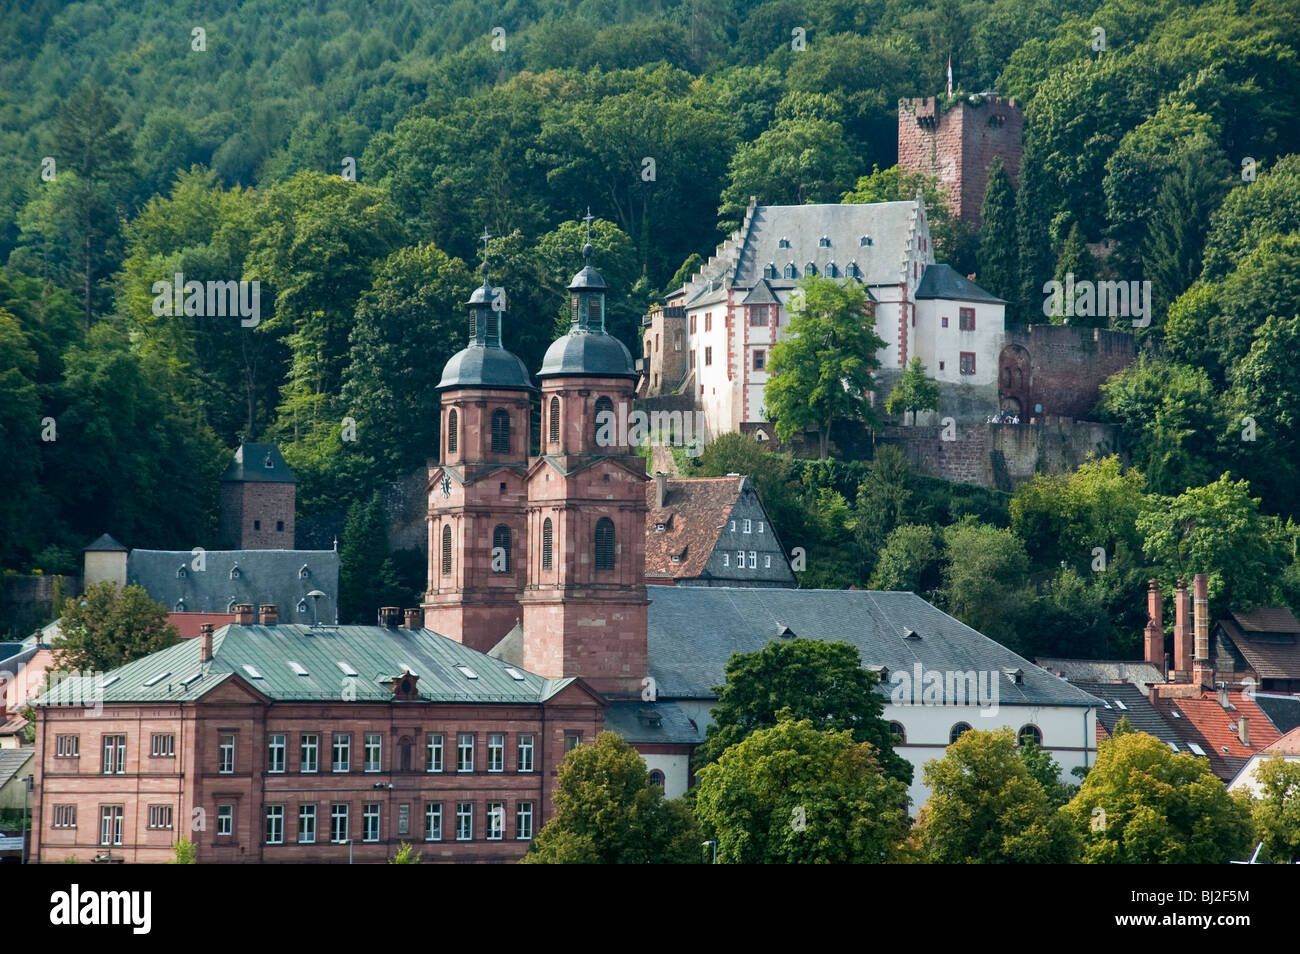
(694, 513)
(1208, 724)
(1289, 744)
(188, 623)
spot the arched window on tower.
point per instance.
(446, 549)
(452, 419)
(604, 544)
(548, 539)
(603, 404)
(554, 421)
(500, 432)
(501, 549)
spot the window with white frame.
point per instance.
(524, 821)
(753, 559)
(164, 746)
(342, 752)
(465, 752)
(464, 821)
(160, 816)
(496, 752)
(67, 747)
(114, 761)
(524, 752)
(339, 823)
(275, 747)
(110, 825)
(434, 750)
(275, 824)
(760, 526)
(306, 824)
(433, 821)
(225, 819)
(726, 559)
(374, 751)
(740, 559)
(226, 753)
(370, 822)
(65, 816)
(310, 752)
(748, 525)
(496, 820)
(767, 561)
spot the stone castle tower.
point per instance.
(258, 496)
(555, 542)
(958, 144)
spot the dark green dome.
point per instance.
(590, 354)
(482, 367)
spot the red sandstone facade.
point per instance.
(176, 781)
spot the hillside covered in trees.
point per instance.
(347, 155)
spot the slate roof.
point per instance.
(1139, 672)
(481, 366)
(265, 576)
(1125, 700)
(249, 465)
(105, 544)
(587, 353)
(694, 630)
(1282, 711)
(944, 281)
(1267, 639)
(663, 722)
(12, 762)
(761, 294)
(1207, 724)
(694, 513)
(377, 654)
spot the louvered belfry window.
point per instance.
(452, 419)
(500, 432)
(501, 542)
(604, 544)
(602, 404)
(555, 420)
(446, 549)
(547, 542)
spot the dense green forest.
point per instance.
(347, 155)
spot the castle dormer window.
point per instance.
(866, 240)
(234, 572)
(230, 607)
(180, 606)
(302, 606)
(182, 572)
(268, 463)
(830, 270)
(790, 270)
(851, 270)
(304, 573)
(769, 270)
(824, 242)
(810, 269)
(783, 243)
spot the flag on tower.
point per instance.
(950, 76)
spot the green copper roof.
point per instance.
(292, 663)
(261, 463)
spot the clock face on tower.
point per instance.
(446, 486)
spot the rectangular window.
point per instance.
(656, 344)
(464, 821)
(572, 740)
(748, 525)
(496, 752)
(275, 824)
(726, 559)
(434, 749)
(306, 824)
(708, 321)
(968, 362)
(767, 561)
(733, 526)
(966, 319)
(524, 821)
(164, 746)
(160, 816)
(65, 816)
(760, 357)
(677, 341)
(753, 559)
(114, 762)
(342, 760)
(370, 822)
(943, 322)
(225, 819)
(760, 526)
(68, 747)
(310, 753)
(758, 314)
(374, 751)
(708, 356)
(433, 821)
(692, 324)
(275, 749)
(524, 752)
(339, 824)
(226, 753)
(465, 752)
(110, 825)
(740, 559)
(692, 360)
(404, 819)
(496, 814)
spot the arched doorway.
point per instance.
(1013, 380)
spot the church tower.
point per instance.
(478, 535)
(584, 600)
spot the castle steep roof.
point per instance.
(258, 463)
(945, 282)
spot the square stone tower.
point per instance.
(258, 496)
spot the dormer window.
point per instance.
(865, 241)
(769, 270)
(304, 573)
(830, 270)
(789, 270)
(234, 572)
(851, 270)
(783, 243)
(182, 572)
(302, 606)
(180, 606)
(810, 269)
(230, 607)
(268, 463)
(824, 242)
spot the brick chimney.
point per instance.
(1204, 675)
(1183, 631)
(244, 614)
(205, 642)
(661, 490)
(389, 616)
(414, 619)
(270, 616)
(1243, 729)
(1155, 632)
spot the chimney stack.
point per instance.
(1204, 674)
(1155, 631)
(205, 642)
(1243, 729)
(414, 619)
(270, 616)
(1224, 702)
(1183, 631)
(389, 616)
(244, 614)
(661, 490)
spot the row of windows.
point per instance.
(966, 320)
(1027, 733)
(677, 346)
(851, 270)
(753, 560)
(501, 546)
(494, 817)
(309, 752)
(500, 426)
